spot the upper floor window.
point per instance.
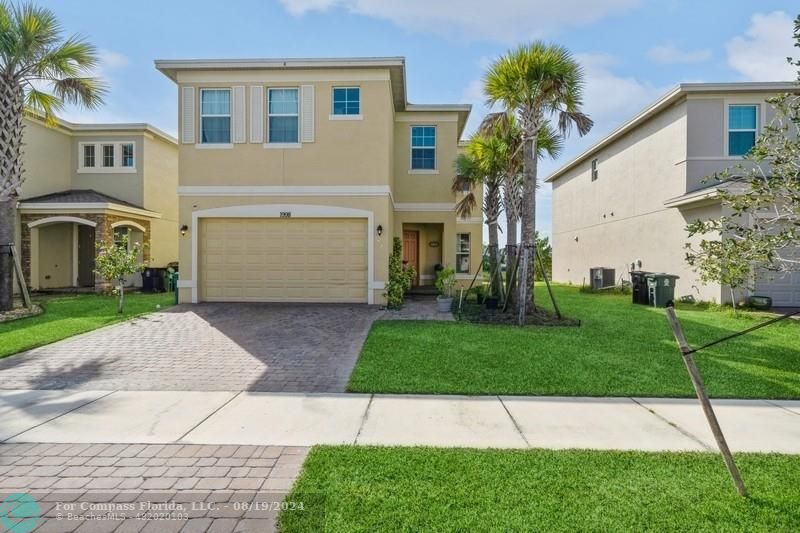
(594, 170)
(423, 147)
(108, 155)
(127, 155)
(88, 155)
(742, 128)
(215, 116)
(283, 119)
(346, 101)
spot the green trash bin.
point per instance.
(174, 284)
(661, 289)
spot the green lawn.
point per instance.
(65, 316)
(619, 350)
(426, 489)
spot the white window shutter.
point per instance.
(239, 118)
(256, 114)
(187, 115)
(307, 113)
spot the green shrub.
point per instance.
(446, 281)
(400, 277)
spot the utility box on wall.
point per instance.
(602, 277)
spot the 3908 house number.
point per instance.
(286, 214)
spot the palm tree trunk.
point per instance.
(11, 129)
(511, 258)
(528, 217)
(494, 260)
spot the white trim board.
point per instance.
(58, 206)
(284, 190)
(57, 219)
(130, 223)
(432, 207)
(274, 211)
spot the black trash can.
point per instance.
(153, 279)
(639, 287)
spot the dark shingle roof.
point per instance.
(78, 196)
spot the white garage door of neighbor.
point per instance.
(283, 260)
(782, 287)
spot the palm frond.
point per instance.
(73, 58)
(549, 142)
(466, 205)
(567, 119)
(35, 29)
(86, 92)
(43, 103)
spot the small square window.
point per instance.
(423, 147)
(346, 101)
(462, 253)
(108, 155)
(88, 155)
(594, 170)
(127, 155)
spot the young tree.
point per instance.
(39, 73)
(114, 261)
(760, 226)
(538, 83)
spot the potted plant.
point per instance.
(445, 282)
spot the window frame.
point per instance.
(345, 116)
(728, 130)
(120, 230)
(122, 155)
(103, 147)
(97, 147)
(283, 144)
(229, 116)
(593, 171)
(460, 253)
(435, 148)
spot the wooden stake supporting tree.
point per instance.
(699, 387)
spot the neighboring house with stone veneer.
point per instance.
(92, 183)
(296, 174)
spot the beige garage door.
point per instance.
(283, 260)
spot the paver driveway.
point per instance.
(256, 347)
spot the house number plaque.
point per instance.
(286, 214)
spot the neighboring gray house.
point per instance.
(629, 197)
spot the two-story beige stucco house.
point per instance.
(628, 199)
(91, 183)
(296, 174)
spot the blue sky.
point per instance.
(631, 50)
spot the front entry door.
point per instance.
(411, 252)
(86, 252)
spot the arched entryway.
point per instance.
(62, 251)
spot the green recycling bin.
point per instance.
(661, 289)
(174, 283)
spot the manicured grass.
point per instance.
(619, 350)
(428, 489)
(65, 316)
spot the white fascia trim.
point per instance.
(470, 220)
(214, 146)
(281, 190)
(282, 146)
(106, 170)
(53, 220)
(345, 117)
(297, 210)
(35, 206)
(130, 223)
(425, 207)
(423, 171)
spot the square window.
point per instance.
(346, 101)
(283, 116)
(423, 148)
(88, 156)
(215, 116)
(127, 155)
(108, 155)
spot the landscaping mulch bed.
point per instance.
(20, 312)
(479, 314)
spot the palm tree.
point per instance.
(505, 127)
(39, 73)
(538, 83)
(481, 164)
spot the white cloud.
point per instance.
(110, 60)
(503, 20)
(760, 54)
(670, 54)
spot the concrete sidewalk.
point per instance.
(281, 419)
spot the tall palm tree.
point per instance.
(506, 128)
(481, 165)
(538, 83)
(39, 73)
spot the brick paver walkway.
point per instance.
(173, 487)
(209, 347)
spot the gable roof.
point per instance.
(671, 97)
(77, 196)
